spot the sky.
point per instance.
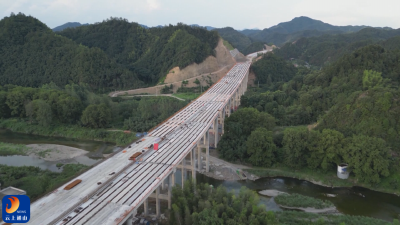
(243, 14)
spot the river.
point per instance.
(95, 150)
(352, 201)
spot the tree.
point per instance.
(295, 147)
(96, 116)
(368, 158)
(371, 79)
(261, 147)
(40, 111)
(325, 148)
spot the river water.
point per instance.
(352, 201)
(95, 150)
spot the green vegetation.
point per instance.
(273, 69)
(353, 105)
(228, 45)
(35, 181)
(148, 53)
(77, 112)
(12, 149)
(203, 205)
(254, 47)
(234, 37)
(297, 200)
(187, 96)
(69, 131)
(329, 48)
(59, 165)
(43, 154)
(114, 54)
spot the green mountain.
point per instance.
(32, 55)
(237, 39)
(69, 25)
(328, 48)
(150, 53)
(114, 54)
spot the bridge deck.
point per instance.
(136, 181)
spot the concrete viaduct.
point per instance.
(112, 191)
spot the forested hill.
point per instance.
(150, 53)
(114, 54)
(328, 48)
(237, 39)
(69, 25)
(32, 55)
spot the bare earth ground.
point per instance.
(52, 152)
(215, 67)
(312, 210)
(222, 170)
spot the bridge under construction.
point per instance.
(112, 191)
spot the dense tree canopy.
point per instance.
(326, 49)
(114, 54)
(150, 53)
(76, 104)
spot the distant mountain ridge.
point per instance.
(296, 28)
(69, 25)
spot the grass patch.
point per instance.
(228, 45)
(70, 131)
(43, 154)
(13, 149)
(297, 200)
(59, 165)
(187, 96)
(303, 218)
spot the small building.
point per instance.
(9, 191)
(342, 171)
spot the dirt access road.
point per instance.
(157, 88)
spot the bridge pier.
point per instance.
(158, 202)
(193, 159)
(199, 157)
(146, 207)
(183, 171)
(216, 128)
(169, 190)
(207, 144)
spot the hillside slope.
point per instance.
(237, 39)
(69, 25)
(32, 55)
(328, 48)
(150, 53)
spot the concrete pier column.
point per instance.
(169, 191)
(158, 202)
(183, 171)
(146, 207)
(222, 123)
(216, 132)
(207, 151)
(129, 221)
(172, 178)
(199, 157)
(193, 165)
